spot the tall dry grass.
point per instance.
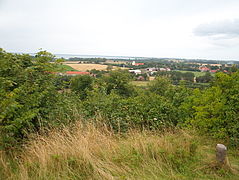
(88, 152)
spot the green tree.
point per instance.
(81, 85)
(216, 109)
(118, 81)
(205, 79)
(27, 94)
(161, 85)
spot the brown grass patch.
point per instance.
(87, 152)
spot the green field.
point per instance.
(64, 68)
(140, 83)
(196, 73)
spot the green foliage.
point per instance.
(88, 60)
(176, 76)
(161, 85)
(97, 73)
(216, 109)
(26, 92)
(205, 79)
(32, 97)
(147, 110)
(82, 84)
(62, 82)
(118, 82)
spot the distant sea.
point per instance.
(67, 56)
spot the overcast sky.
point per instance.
(149, 28)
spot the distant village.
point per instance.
(144, 70)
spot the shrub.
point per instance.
(27, 92)
(82, 84)
(216, 109)
(145, 110)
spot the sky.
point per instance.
(202, 29)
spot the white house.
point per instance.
(137, 71)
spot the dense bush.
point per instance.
(205, 79)
(216, 109)
(147, 110)
(118, 82)
(82, 84)
(27, 94)
(177, 76)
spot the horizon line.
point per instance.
(124, 56)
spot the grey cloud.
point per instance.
(221, 30)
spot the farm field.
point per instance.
(85, 67)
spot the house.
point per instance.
(216, 65)
(162, 69)
(137, 64)
(213, 71)
(204, 69)
(137, 71)
(151, 69)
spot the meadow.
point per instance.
(86, 151)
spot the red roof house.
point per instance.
(204, 69)
(77, 73)
(139, 64)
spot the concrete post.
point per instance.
(221, 153)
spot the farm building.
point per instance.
(137, 71)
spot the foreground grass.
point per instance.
(87, 152)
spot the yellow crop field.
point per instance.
(85, 67)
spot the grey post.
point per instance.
(221, 153)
